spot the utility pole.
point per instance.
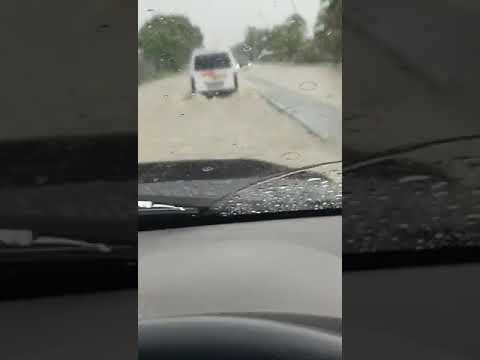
(294, 6)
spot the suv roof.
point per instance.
(209, 51)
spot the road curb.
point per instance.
(294, 115)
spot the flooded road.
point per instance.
(174, 125)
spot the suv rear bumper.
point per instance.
(217, 92)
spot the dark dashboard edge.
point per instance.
(409, 259)
(147, 223)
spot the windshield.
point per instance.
(213, 61)
(207, 139)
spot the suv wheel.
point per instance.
(236, 82)
(194, 89)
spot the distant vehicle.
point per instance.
(213, 72)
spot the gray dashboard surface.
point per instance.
(292, 266)
(416, 313)
(76, 327)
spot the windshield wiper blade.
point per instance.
(26, 239)
(277, 176)
(387, 155)
(151, 207)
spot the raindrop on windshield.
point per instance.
(412, 178)
(473, 217)
(440, 193)
(207, 168)
(439, 185)
(103, 27)
(40, 180)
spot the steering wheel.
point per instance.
(231, 338)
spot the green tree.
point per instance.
(329, 28)
(288, 38)
(168, 40)
(256, 41)
(240, 54)
(309, 53)
(279, 43)
(296, 30)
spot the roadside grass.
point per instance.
(154, 77)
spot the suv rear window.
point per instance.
(212, 61)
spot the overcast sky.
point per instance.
(223, 22)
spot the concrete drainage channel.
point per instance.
(322, 120)
(291, 112)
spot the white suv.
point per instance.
(213, 72)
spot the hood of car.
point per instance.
(241, 186)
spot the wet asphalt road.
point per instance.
(174, 125)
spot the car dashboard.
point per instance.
(288, 265)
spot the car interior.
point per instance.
(253, 289)
(68, 142)
(252, 286)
